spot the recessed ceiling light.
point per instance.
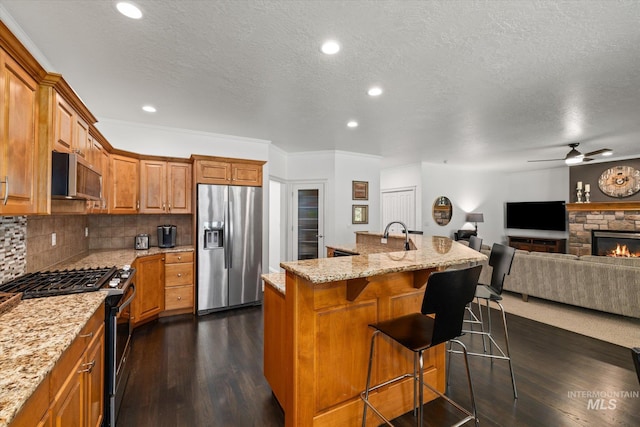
(330, 47)
(375, 91)
(149, 108)
(352, 124)
(129, 10)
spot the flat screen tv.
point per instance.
(537, 215)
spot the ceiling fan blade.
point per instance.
(598, 152)
(544, 160)
(587, 159)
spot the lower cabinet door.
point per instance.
(68, 407)
(94, 365)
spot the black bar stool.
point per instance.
(446, 295)
(500, 259)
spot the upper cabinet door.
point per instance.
(153, 187)
(123, 194)
(246, 174)
(19, 150)
(81, 142)
(179, 187)
(213, 172)
(64, 121)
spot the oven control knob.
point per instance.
(114, 282)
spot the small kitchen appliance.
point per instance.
(167, 236)
(142, 241)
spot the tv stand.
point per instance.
(538, 244)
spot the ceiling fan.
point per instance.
(574, 156)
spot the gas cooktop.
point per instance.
(65, 282)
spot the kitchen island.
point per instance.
(316, 334)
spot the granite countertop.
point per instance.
(35, 333)
(276, 280)
(113, 257)
(33, 336)
(431, 252)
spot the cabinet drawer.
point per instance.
(176, 257)
(178, 274)
(178, 297)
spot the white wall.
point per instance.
(355, 167)
(469, 191)
(403, 177)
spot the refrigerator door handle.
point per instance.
(226, 237)
(230, 241)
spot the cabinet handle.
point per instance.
(89, 335)
(90, 367)
(6, 189)
(164, 207)
(138, 204)
(179, 258)
(179, 298)
(179, 274)
(169, 207)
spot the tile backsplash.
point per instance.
(119, 231)
(26, 241)
(13, 247)
(70, 239)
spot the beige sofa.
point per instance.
(601, 283)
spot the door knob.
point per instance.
(319, 236)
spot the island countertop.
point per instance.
(431, 252)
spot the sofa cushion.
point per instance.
(629, 262)
(554, 255)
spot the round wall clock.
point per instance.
(620, 181)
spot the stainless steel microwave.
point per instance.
(72, 177)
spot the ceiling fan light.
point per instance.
(607, 153)
(574, 160)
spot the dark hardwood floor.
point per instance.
(207, 371)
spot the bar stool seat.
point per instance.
(446, 295)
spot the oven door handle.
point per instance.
(121, 307)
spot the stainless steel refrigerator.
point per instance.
(229, 246)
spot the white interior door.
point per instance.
(307, 225)
(399, 205)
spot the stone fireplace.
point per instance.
(586, 218)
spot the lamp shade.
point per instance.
(474, 217)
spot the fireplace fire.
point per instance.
(624, 244)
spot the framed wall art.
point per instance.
(360, 190)
(360, 214)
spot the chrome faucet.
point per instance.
(406, 233)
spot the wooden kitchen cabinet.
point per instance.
(73, 393)
(179, 283)
(225, 171)
(165, 187)
(149, 281)
(179, 182)
(123, 185)
(71, 131)
(20, 164)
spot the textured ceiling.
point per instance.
(472, 83)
